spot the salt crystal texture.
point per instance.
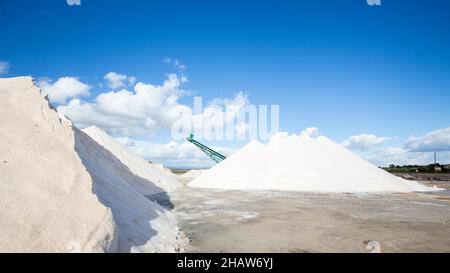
(156, 178)
(301, 163)
(144, 226)
(46, 198)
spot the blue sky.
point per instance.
(342, 66)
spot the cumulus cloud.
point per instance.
(399, 156)
(145, 110)
(73, 2)
(63, 89)
(438, 140)
(149, 109)
(415, 151)
(215, 119)
(115, 80)
(364, 142)
(4, 67)
(311, 132)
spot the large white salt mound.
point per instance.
(301, 163)
(144, 226)
(46, 198)
(155, 180)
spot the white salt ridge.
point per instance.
(301, 163)
(144, 226)
(156, 180)
(46, 198)
(193, 173)
(165, 170)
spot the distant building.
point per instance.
(437, 169)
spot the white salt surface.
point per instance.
(144, 226)
(301, 163)
(164, 170)
(193, 173)
(46, 198)
(155, 179)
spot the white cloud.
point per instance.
(217, 114)
(73, 2)
(311, 131)
(400, 156)
(148, 110)
(364, 142)
(63, 89)
(179, 65)
(4, 67)
(438, 140)
(415, 151)
(176, 63)
(115, 80)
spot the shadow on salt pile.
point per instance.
(131, 210)
(162, 199)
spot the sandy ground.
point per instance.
(265, 221)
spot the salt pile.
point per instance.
(143, 226)
(46, 198)
(301, 163)
(193, 173)
(155, 179)
(165, 170)
(61, 191)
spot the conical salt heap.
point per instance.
(301, 163)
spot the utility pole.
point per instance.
(435, 164)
